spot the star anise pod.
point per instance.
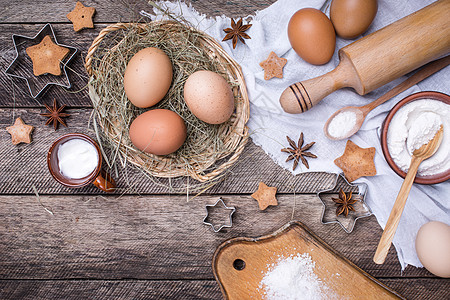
(298, 152)
(237, 31)
(344, 203)
(55, 114)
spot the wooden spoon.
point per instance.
(362, 111)
(418, 156)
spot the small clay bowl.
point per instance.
(98, 177)
(432, 179)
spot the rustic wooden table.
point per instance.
(141, 242)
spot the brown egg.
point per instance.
(352, 17)
(158, 131)
(433, 248)
(147, 77)
(209, 97)
(312, 36)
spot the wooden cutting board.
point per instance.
(240, 264)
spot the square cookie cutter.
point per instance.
(220, 204)
(22, 66)
(329, 207)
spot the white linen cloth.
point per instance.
(269, 124)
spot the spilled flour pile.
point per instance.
(293, 278)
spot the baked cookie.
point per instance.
(356, 161)
(81, 16)
(20, 132)
(265, 195)
(273, 66)
(47, 56)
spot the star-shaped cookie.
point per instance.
(20, 132)
(273, 66)
(356, 161)
(265, 195)
(81, 16)
(47, 57)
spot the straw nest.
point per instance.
(209, 150)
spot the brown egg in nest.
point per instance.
(148, 77)
(158, 131)
(209, 97)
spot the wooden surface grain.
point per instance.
(110, 289)
(112, 237)
(130, 289)
(144, 241)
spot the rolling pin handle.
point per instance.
(301, 96)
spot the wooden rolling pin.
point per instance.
(379, 58)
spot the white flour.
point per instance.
(341, 124)
(414, 125)
(293, 278)
(422, 130)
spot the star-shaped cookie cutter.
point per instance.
(22, 67)
(223, 206)
(329, 207)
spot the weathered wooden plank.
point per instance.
(104, 289)
(116, 10)
(25, 165)
(411, 288)
(40, 11)
(156, 237)
(420, 288)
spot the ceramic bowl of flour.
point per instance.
(411, 123)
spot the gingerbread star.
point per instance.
(265, 196)
(20, 132)
(356, 161)
(273, 66)
(47, 56)
(81, 16)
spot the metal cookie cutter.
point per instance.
(207, 220)
(361, 209)
(22, 66)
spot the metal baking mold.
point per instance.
(22, 67)
(329, 207)
(207, 220)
